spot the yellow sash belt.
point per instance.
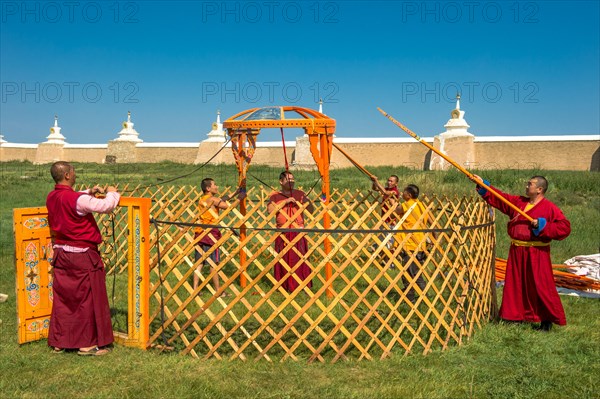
(520, 243)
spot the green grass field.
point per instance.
(500, 361)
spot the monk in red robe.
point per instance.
(529, 291)
(80, 316)
(390, 197)
(287, 202)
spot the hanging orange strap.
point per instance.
(287, 167)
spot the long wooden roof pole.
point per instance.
(456, 165)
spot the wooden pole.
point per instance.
(242, 160)
(326, 189)
(243, 261)
(456, 165)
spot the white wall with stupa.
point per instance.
(52, 149)
(565, 152)
(215, 140)
(55, 137)
(122, 149)
(456, 142)
(2, 145)
(128, 133)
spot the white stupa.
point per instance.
(455, 142)
(128, 133)
(217, 134)
(55, 137)
(457, 125)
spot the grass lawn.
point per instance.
(500, 361)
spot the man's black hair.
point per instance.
(412, 190)
(206, 183)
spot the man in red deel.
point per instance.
(80, 312)
(529, 292)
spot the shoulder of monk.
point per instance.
(206, 200)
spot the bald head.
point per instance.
(59, 170)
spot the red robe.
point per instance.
(80, 310)
(386, 204)
(291, 258)
(529, 291)
(293, 255)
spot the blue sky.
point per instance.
(523, 68)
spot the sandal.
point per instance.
(56, 350)
(95, 351)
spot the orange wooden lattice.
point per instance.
(369, 314)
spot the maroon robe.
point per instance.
(293, 255)
(291, 258)
(80, 311)
(529, 291)
(386, 205)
